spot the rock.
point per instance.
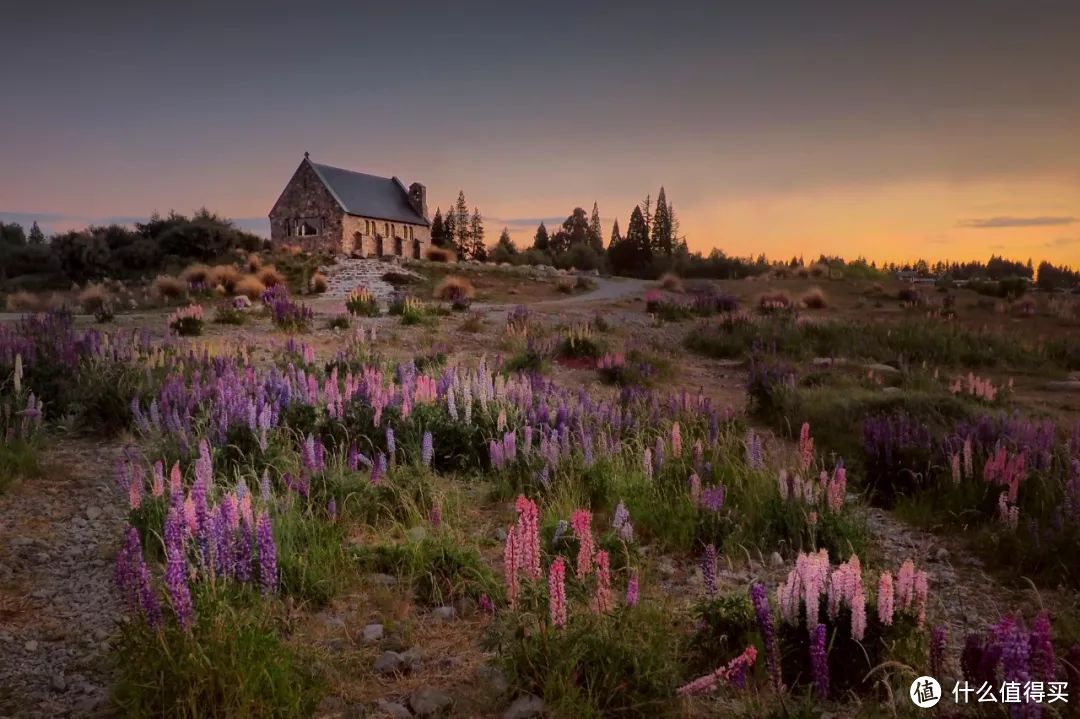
(390, 663)
(525, 707)
(891, 390)
(417, 534)
(500, 534)
(393, 709)
(776, 560)
(428, 702)
(93, 512)
(58, 683)
(382, 580)
(31, 646)
(372, 633)
(444, 613)
(332, 621)
(495, 679)
(882, 368)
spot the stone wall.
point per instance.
(355, 242)
(306, 198)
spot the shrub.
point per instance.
(578, 343)
(23, 301)
(93, 298)
(195, 274)
(397, 279)
(440, 254)
(319, 283)
(290, 316)
(229, 314)
(186, 321)
(168, 287)
(532, 359)
(250, 287)
(270, 276)
(473, 323)
(814, 299)
(775, 302)
(671, 282)
(439, 570)
(455, 289)
(104, 313)
(254, 263)
(224, 276)
(360, 302)
(911, 296)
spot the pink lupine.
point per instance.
(955, 461)
(511, 564)
(885, 599)
(806, 446)
(157, 484)
(837, 490)
(135, 492)
(557, 591)
(921, 591)
(695, 487)
(602, 601)
(528, 539)
(176, 485)
(581, 521)
(969, 468)
(783, 484)
(676, 439)
(734, 672)
(905, 585)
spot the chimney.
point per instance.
(418, 198)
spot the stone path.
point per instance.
(58, 607)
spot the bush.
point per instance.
(23, 301)
(250, 287)
(455, 289)
(168, 287)
(93, 298)
(814, 299)
(229, 314)
(671, 282)
(775, 302)
(187, 321)
(224, 276)
(319, 283)
(440, 254)
(360, 302)
(270, 277)
(439, 570)
(578, 343)
(196, 274)
(397, 279)
(290, 316)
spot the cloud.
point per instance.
(1009, 221)
(1062, 242)
(524, 223)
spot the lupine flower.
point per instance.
(632, 590)
(819, 663)
(806, 446)
(268, 570)
(708, 570)
(157, 484)
(734, 672)
(435, 515)
(176, 582)
(265, 492)
(676, 439)
(763, 613)
(557, 591)
(647, 464)
(378, 469)
(331, 510)
(427, 449)
(528, 536)
(581, 521)
(1043, 661)
(955, 463)
(602, 600)
(712, 498)
(511, 567)
(391, 444)
(695, 488)
(885, 599)
(938, 639)
(486, 605)
(755, 457)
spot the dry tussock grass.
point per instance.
(168, 287)
(319, 283)
(814, 299)
(270, 276)
(450, 284)
(225, 276)
(23, 301)
(254, 263)
(197, 272)
(250, 287)
(440, 254)
(93, 298)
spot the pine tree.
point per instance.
(449, 230)
(438, 229)
(631, 253)
(660, 237)
(596, 234)
(505, 242)
(677, 240)
(616, 236)
(37, 237)
(477, 248)
(646, 212)
(541, 241)
(461, 225)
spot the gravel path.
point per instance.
(58, 608)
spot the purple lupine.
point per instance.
(427, 449)
(264, 487)
(378, 469)
(938, 640)
(331, 509)
(176, 581)
(486, 605)
(1043, 661)
(268, 568)
(763, 613)
(708, 570)
(712, 498)
(755, 456)
(819, 663)
(1015, 645)
(632, 590)
(243, 550)
(391, 444)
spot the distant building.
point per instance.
(327, 209)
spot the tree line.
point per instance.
(460, 230)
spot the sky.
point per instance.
(943, 130)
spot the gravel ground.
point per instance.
(58, 607)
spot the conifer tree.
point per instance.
(660, 238)
(616, 236)
(37, 237)
(477, 248)
(461, 225)
(541, 241)
(505, 242)
(438, 229)
(449, 233)
(596, 236)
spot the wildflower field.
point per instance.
(665, 501)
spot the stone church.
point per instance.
(328, 209)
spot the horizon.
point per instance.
(821, 130)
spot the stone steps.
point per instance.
(349, 272)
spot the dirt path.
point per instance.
(58, 607)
